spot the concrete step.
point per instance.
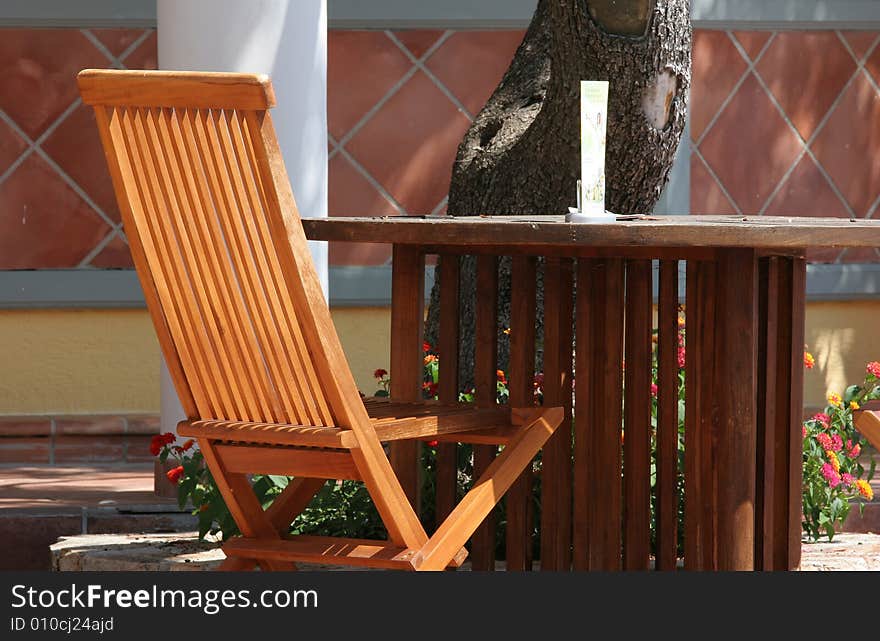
(39, 504)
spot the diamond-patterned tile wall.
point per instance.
(787, 123)
(782, 123)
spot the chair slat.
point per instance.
(208, 239)
(231, 372)
(174, 309)
(296, 363)
(448, 343)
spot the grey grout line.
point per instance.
(440, 205)
(864, 58)
(100, 46)
(378, 106)
(695, 151)
(373, 182)
(806, 143)
(420, 63)
(130, 49)
(73, 185)
(751, 64)
(97, 249)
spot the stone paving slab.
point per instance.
(183, 552)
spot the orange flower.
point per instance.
(175, 474)
(835, 400)
(853, 405)
(809, 361)
(500, 374)
(430, 358)
(187, 445)
(832, 458)
(865, 489)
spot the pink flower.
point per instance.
(831, 475)
(804, 428)
(836, 443)
(823, 419)
(681, 357)
(848, 479)
(825, 441)
(874, 368)
(855, 451)
(654, 389)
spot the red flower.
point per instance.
(159, 441)
(501, 378)
(654, 389)
(175, 474)
(426, 346)
(380, 373)
(187, 445)
(433, 443)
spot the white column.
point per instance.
(286, 39)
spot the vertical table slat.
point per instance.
(523, 293)
(637, 415)
(666, 526)
(407, 320)
(583, 385)
(485, 378)
(790, 452)
(605, 407)
(556, 470)
(737, 353)
(448, 391)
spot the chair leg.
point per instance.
(252, 521)
(284, 509)
(458, 527)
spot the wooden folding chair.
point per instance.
(248, 338)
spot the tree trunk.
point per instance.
(521, 155)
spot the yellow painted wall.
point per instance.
(78, 362)
(107, 361)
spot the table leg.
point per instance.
(407, 321)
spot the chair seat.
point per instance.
(392, 420)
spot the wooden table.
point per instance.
(744, 305)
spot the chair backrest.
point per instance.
(219, 247)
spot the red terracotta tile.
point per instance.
(848, 143)
(752, 41)
(706, 195)
(38, 70)
(717, 67)
(751, 147)
(148, 424)
(137, 449)
(861, 255)
(860, 41)
(146, 56)
(807, 193)
(409, 146)
(351, 195)
(806, 96)
(109, 425)
(418, 41)
(89, 449)
(362, 66)
(25, 426)
(11, 146)
(24, 449)
(44, 223)
(115, 255)
(472, 63)
(76, 147)
(117, 40)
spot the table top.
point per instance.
(759, 232)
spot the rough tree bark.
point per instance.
(522, 153)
